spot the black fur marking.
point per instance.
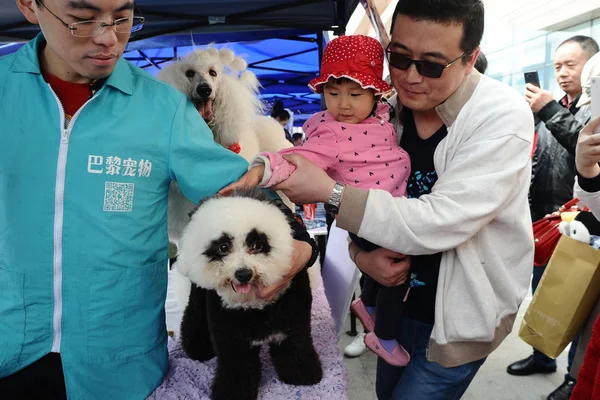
(257, 242)
(219, 248)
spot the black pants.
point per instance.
(389, 301)
(42, 380)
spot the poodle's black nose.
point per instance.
(243, 275)
(203, 90)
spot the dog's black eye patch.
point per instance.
(190, 73)
(219, 248)
(257, 242)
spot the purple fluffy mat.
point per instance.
(191, 380)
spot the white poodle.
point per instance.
(225, 94)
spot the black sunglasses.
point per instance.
(429, 69)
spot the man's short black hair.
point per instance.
(469, 13)
(589, 45)
(481, 63)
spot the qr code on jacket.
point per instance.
(118, 196)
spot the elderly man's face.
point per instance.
(569, 60)
(430, 41)
(79, 59)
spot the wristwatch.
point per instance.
(333, 204)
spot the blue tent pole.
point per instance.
(321, 44)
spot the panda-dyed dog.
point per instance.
(232, 247)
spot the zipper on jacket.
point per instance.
(59, 202)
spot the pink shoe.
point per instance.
(359, 309)
(399, 357)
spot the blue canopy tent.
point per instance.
(282, 40)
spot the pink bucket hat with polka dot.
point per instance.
(356, 57)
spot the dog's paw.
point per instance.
(305, 369)
(305, 376)
(228, 389)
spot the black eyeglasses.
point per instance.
(95, 27)
(429, 69)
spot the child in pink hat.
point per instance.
(354, 142)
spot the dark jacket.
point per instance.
(554, 157)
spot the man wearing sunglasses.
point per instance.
(90, 144)
(465, 224)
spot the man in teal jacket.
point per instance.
(89, 145)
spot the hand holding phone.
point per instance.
(533, 78)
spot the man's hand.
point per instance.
(587, 152)
(536, 97)
(249, 180)
(300, 257)
(308, 184)
(387, 267)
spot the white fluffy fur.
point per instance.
(237, 114)
(237, 109)
(236, 216)
(237, 118)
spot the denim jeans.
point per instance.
(421, 379)
(539, 357)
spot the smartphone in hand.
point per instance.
(533, 78)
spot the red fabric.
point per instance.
(72, 95)
(546, 234)
(235, 148)
(588, 380)
(357, 57)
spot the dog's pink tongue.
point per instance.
(206, 110)
(242, 288)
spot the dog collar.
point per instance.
(313, 256)
(235, 148)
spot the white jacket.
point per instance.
(477, 215)
(589, 198)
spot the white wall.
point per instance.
(542, 14)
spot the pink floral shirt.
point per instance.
(365, 155)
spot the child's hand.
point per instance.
(249, 180)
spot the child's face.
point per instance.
(348, 102)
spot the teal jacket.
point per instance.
(83, 222)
